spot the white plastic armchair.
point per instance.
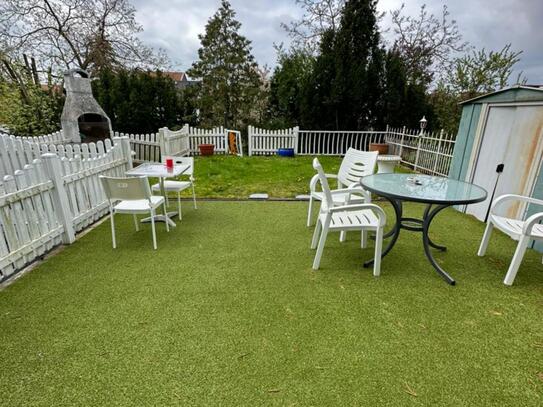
(522, 230)
(355, 165)
(362, 217)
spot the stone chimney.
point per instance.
(82, 117)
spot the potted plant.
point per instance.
(206, 149)
(381, 148)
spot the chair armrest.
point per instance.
(355, 190)
(315, 179)
(512, 197)
(530, 222)
(346, 208)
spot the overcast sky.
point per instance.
(175, 24)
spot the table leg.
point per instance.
(394, 233)
(163, 218)
(429, 215)
(430, 242)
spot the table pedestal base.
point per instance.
(162, 218)
(416, 225)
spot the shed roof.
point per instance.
(528, 93)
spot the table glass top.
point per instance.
(157, 170)
(423, 188)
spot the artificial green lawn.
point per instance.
(229, 312)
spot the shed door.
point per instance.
(512, 137)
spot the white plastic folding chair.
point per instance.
(132, 196)
(355, 165)
(525, 231)
(180, 186)
(362, 217)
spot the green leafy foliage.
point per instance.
(140, 102)
(27, 108)
(230, 82)
(482, 71)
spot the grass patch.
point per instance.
(229, 312)
(238, 177)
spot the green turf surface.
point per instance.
(229, 312)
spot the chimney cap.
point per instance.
(72, 72)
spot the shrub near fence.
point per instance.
(53, 197)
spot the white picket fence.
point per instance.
(174, 143)
(267, 142)
(16, 152)
(53, 197)
(146, 147)
(150, 147)
(216, 136)
(429, 153)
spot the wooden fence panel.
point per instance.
(45, 203)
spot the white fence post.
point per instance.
(250, 140)
(124, 142)
(53, 169)
(296, 132)
(162, 142)
(438, 151)
(421, 135)
(402, 141)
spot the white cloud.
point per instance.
(175, 24)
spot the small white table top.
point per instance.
(158, 170)
(388, 157)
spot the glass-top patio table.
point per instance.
(437, 193)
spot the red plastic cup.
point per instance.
(169, 163)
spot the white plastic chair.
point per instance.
(132, 196)
(363, 217)
(355, 165)
(522, 230)
(180, 186)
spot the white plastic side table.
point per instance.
(386, 163)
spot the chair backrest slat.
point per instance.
(126, 188)
(355, 165)
(327, 196)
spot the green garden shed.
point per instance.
(503, 127)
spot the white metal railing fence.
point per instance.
(266, 142)
(50, 199)
(429, 153)
(327, 142)
(310, 142)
